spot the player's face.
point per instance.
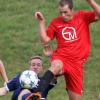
(66, 12)
(36, 65)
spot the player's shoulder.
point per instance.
(80, 12)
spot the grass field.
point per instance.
(19, 40)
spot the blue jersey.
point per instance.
(14, 85)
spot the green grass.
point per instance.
(19, 40)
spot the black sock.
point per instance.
(45, 81)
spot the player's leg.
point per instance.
(55, 69)
(34, 96)
(3, 72)
(44, 94)
(27, 95)
(74, 88)
(74, 96)
(74, 80)
(23, 94)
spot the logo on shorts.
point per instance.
(69, 34)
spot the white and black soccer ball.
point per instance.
(28, 79)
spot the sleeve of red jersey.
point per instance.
(51, 31)
(89, 16)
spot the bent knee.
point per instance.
(23, 92)
(56, 66)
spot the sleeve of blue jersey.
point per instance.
(13, 84)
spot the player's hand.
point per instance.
(39, 16)
(3, 91)
(48, 50)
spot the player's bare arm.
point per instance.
(39, 16)
(3, 72)
(96, 8)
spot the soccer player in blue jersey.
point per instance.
(35, 64)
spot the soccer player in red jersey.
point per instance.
(3, 72)
(71, 31)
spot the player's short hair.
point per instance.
(35, 57)
(66, 2)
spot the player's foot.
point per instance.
(43, 99)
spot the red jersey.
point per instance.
(73, 36)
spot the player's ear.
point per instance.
(41, 69)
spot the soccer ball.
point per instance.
(28, 79)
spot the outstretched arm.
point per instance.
(39, 16)
(3, 72)
(96, 8)
(47, 49)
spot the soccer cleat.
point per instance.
(34, 96)
(43, 99)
